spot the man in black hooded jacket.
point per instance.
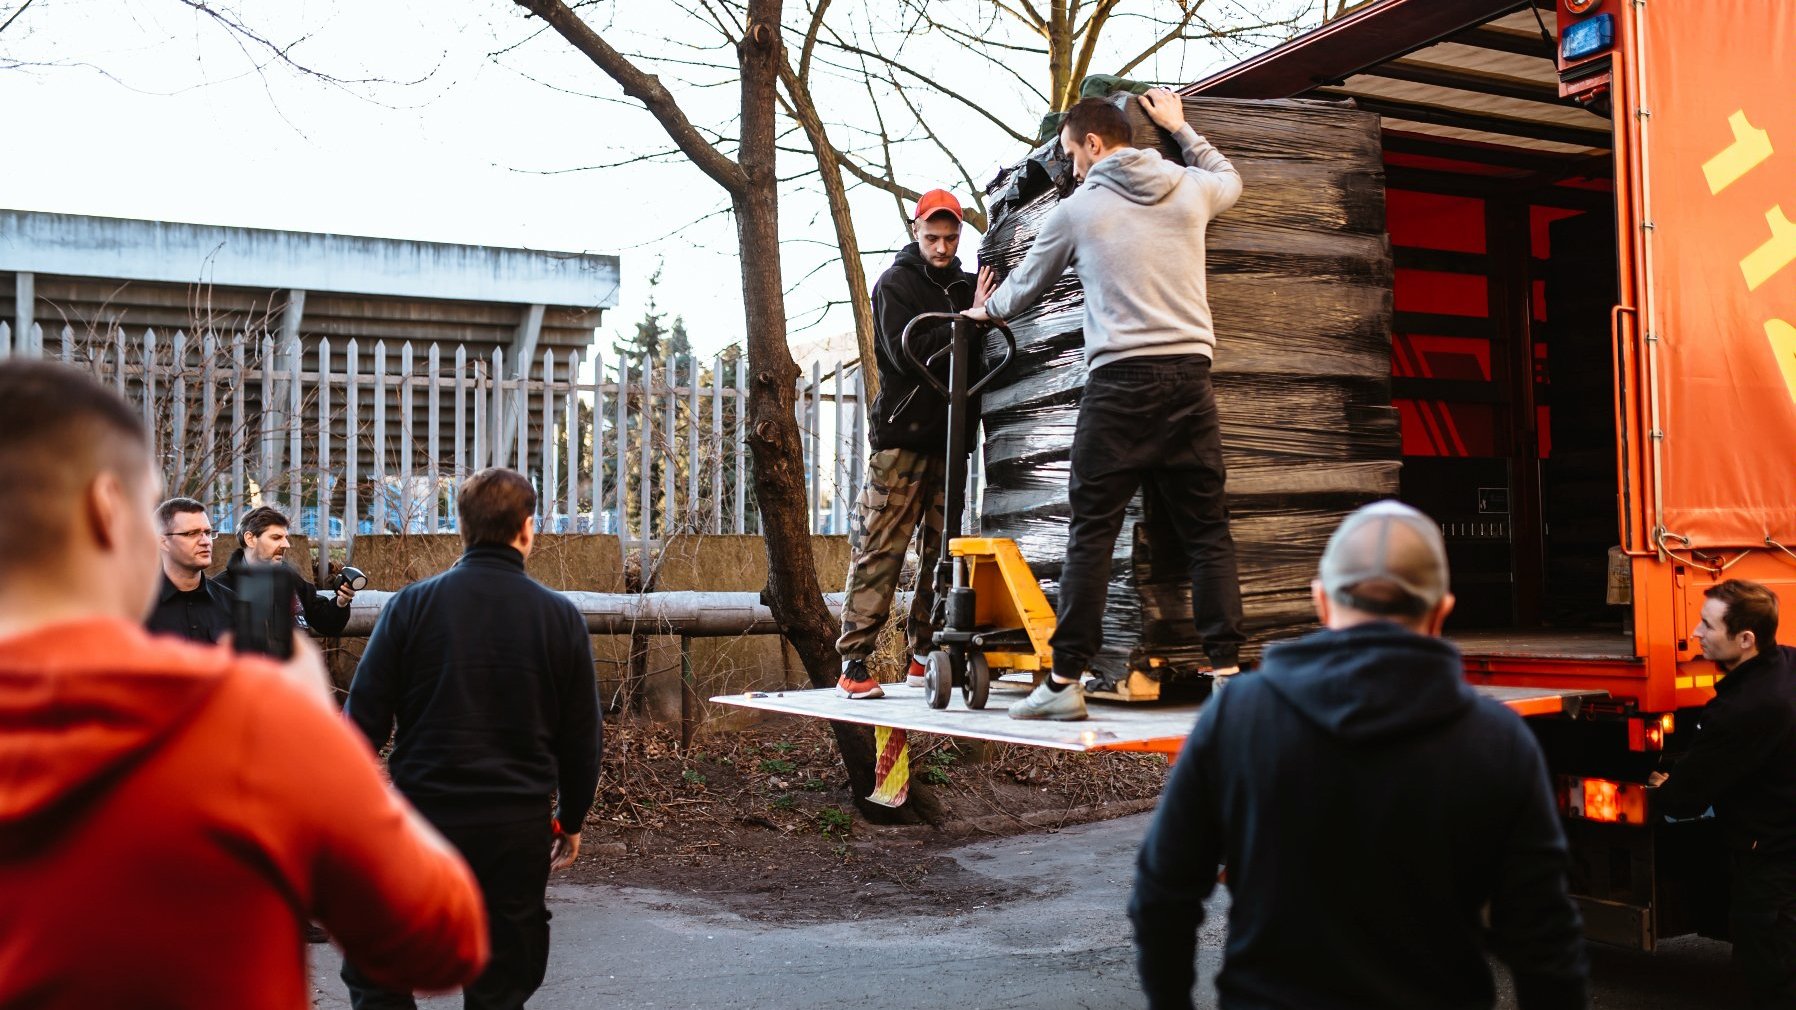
(1381, 824)
(908, 433)
(1742, 762)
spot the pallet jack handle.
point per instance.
(921, 367)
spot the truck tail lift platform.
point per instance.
(1157, 729)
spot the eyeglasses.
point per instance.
(199, 534)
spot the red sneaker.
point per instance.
(914, 678)
(859, 690)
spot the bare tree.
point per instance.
(752, 183)
(1067, 46)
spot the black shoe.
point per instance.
(316, 934)
(1095, 682)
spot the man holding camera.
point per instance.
(263, 532)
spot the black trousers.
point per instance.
(1762, 918)
(511, 862)
(1149, 424)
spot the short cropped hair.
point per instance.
(1750, 607)
(493, 505)
(1099, 116)
(259, 519)
(59, 429)
(166, 512)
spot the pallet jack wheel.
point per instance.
(938, 679)
(978, 683)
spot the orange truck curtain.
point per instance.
(1721, 166)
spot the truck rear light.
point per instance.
(1587, 38)
(1602, 800)
(1648, 734)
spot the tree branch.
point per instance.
(972, 187)
(1177, 31)
(810, 42)
(15, 15)
(926, 79)
(645, 88)
(1094, 30)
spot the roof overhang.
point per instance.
(1476, 77)
(173, 252)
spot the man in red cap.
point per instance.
(909, 438)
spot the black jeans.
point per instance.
(1762, 918)
(511, 862)
(1148, 424)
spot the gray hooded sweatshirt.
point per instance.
(1134, 233)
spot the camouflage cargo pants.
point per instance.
(904, 488)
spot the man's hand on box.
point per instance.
(1164, 108)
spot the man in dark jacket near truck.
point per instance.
(489, 677)
(1374, 813)
(906, 472)
(1743, 763)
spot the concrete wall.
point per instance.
(596, 564)
(728, 563)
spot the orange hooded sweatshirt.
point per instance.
(171, 814)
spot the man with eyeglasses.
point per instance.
(188, 604)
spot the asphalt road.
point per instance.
(1064, 945)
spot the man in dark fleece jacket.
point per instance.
(1743, 763)
(906, 472)
(1382, 826)
(489, 676)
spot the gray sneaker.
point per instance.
(1065, 705)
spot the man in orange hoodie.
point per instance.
(171, 814)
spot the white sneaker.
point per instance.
(1064, 705)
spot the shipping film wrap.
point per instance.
(1300, 288)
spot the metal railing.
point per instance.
(352, 438)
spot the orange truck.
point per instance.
(1593, 355)
(1595, 326)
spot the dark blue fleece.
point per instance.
(1370, 808)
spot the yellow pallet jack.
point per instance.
(991, 616)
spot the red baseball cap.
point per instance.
(937, 201)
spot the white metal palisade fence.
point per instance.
(352, 439)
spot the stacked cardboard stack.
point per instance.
(1300, 287)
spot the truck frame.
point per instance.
(1594, 357)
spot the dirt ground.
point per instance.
(761, 820)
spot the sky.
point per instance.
(463, 121)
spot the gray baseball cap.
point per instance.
(1391, 546)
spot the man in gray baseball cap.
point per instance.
(1371, 810)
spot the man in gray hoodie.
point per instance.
(1134, 233)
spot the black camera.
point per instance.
(262, 614)
(354, 578)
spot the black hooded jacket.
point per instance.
(908, 413)
(1369, 807)
(1743, 759)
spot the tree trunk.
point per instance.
(792, 592)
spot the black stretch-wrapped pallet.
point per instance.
(1300, 289)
